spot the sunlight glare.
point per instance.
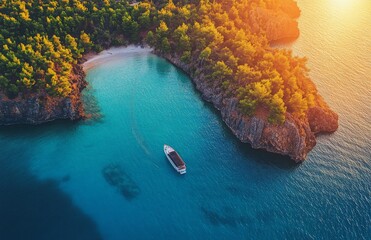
(344, 7)
(341, 3)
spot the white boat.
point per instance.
(175, 160)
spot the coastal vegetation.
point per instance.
(42, 40)
(222, 44)
(226, 42)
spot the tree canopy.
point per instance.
(42, 40)
(223, 41)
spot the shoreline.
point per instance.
(40, 107)
(294, 138)
(92, 59)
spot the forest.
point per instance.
(224, 41)
(42, 40)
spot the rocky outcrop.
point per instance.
(294, 138)
(290, 7)
(322, 119)
(41, 107)
(277, 24)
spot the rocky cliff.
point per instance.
(294, 138)
(41, 107)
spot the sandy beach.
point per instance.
(111, 54)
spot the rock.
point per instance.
(322, 120)
(118, 178)
(294, 138)
(276, 24)
(36, 108)
(290, 8)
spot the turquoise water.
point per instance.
(53, 177)
(53, 185)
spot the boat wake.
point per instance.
(134, 130)
(139, 139)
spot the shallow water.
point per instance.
(54, 182)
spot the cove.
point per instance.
(140, 102)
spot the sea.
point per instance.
(108, 177)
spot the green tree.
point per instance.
(221, 71)
(165, 45)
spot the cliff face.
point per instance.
(295, 138)
(322, 119)
(39, 108)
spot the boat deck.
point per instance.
(177, 160)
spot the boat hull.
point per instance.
(168, 150)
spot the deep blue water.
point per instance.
(107, 178)
(52, 185)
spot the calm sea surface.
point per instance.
(109, 179)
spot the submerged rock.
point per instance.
(225, 217)
(66, 178)
(117, 177)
